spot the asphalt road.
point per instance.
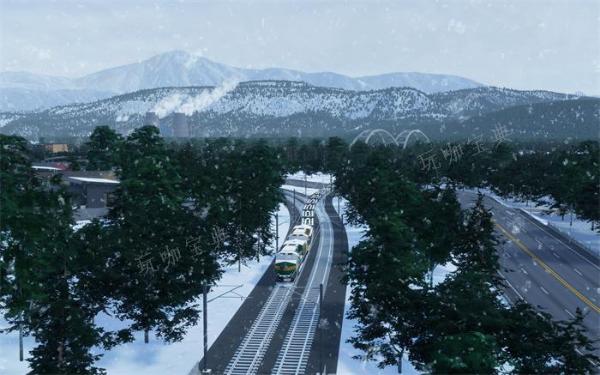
(542, 267)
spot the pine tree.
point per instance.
(42, 268)
(102, 148)
(60, 315)
(160, 260)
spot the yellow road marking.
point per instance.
(548, 269)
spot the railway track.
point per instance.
(248, 357)
(293, 357)
(294, 354)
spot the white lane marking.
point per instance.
(570, 313)
(578, 272)
(511, 286)
(556, 255)
(544, 290)
(523, 270)
(559, 240)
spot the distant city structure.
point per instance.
(178, 127)
(181, 128)
(57, 147)
(165, 130)
(152, 119)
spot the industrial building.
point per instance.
(181, 128)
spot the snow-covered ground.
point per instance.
(299, 189)
(580, 231)
(346, 364)
(317, 177)
(157, 357)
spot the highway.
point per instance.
(543, 268)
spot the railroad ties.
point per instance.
(249, 355)
(293, 356)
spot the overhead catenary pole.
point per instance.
(20, 343)
(319, 327)
(258, 247)
(203, 364)
(305, 194)
(400, 362)
(276, 231)
(205, 326)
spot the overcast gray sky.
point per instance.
(523, 44)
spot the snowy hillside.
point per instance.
(486, 99)
(273, 108)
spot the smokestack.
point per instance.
(180, 126)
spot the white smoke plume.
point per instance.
(190, 104)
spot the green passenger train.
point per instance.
(293, 252)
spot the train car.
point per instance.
(302, 230)
(289, 259)
(301, 245)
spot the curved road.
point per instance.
(543, 267)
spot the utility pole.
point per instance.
(400, 362)
(305, 194)
(20, 343)
(258, 248)
(276, 232)
(205, 324)
(320, 328)
(203, 364)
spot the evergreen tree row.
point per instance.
(565, 177)
(180, 213)
(461, 324)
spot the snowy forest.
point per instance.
(281, 187)
(184, 210)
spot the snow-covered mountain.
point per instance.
(181, 69)
(274, 108)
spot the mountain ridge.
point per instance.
(277, 108)
(179, 68)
